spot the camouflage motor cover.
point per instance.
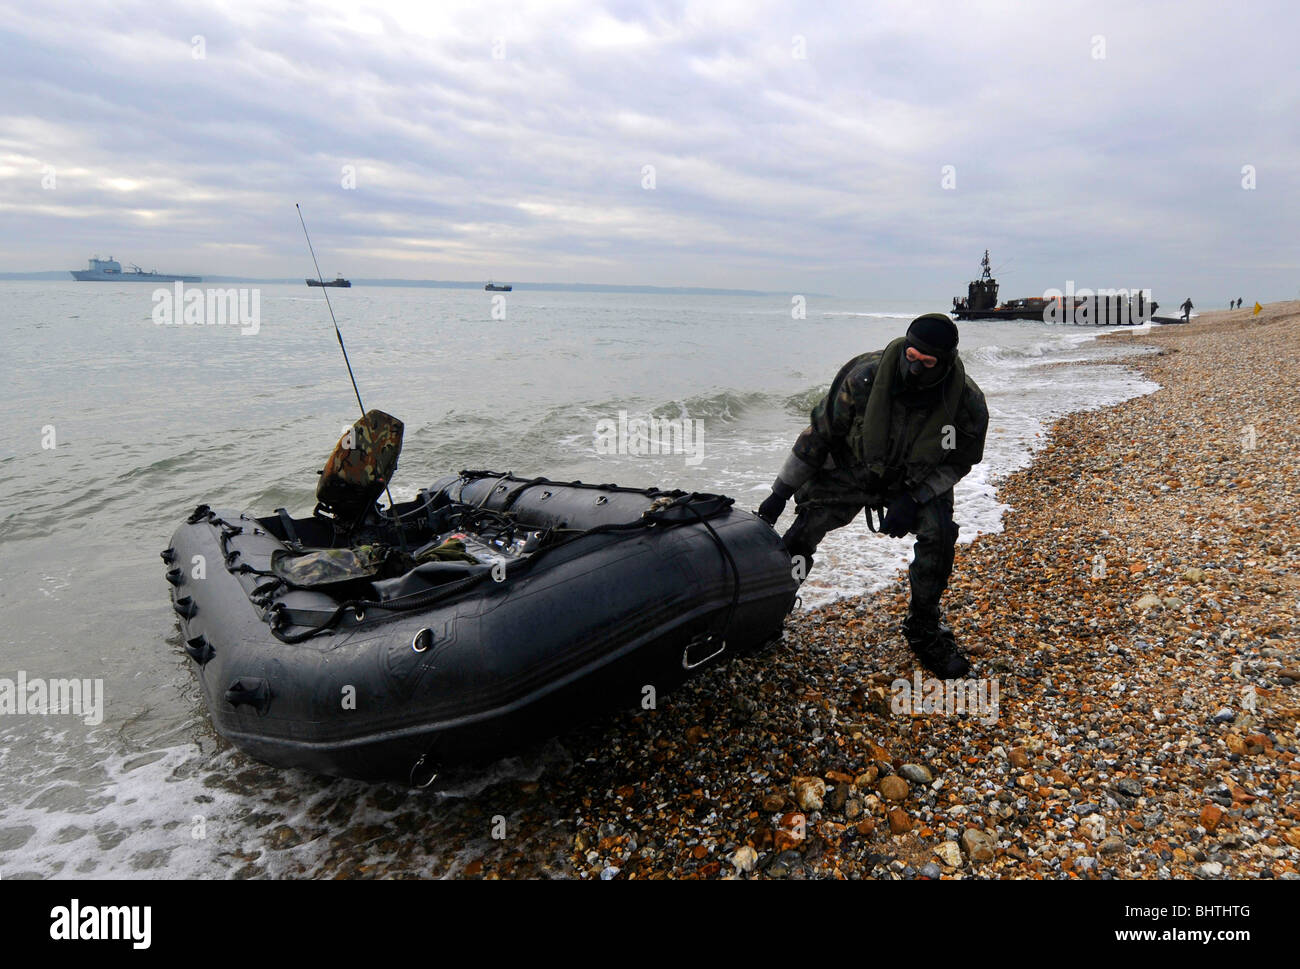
(361, 465)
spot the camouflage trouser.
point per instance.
(832, 498)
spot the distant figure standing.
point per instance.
(1239, 302)
(1187, 309)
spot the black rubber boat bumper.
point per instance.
(468, 669)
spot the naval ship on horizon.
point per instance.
(110, 271)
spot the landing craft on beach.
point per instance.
(1120, 307)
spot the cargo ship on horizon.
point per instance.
(110, 271)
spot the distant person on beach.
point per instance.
(897, 429)
(1238, 302)
(1187, 309)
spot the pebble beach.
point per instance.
(1136, 622)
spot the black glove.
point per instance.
(771, 508)
(901, 517)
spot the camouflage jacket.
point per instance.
(825, 442)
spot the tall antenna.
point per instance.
(401, 538)
(337, 333)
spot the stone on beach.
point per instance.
(893, 788)
(978, 845)
(744, 858)
(916, 773)
(949, 853)
(809, 792)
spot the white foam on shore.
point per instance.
(175, 812)
(124, 817)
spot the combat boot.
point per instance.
(933, 643)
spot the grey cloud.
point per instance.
(772, 172)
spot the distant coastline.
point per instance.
(62, 275)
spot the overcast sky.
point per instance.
(794, 146)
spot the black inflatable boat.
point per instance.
(488, 613)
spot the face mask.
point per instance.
(917, 375)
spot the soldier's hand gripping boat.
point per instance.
(490, 612)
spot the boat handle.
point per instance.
(422, 640)
(199, 649)
(248, 689)
(433, 774)
(686, 653)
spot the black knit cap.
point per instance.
(934, 334)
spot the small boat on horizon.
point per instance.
(492, 287)
(338, 282)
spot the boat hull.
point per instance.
(998, 315)
(610, 620)
(1042, 316)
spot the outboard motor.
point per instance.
(359, 469)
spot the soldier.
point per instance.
(1187, 309)
(897, 429)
